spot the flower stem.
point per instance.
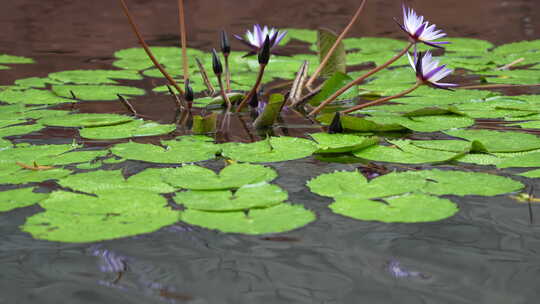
(147, 49)
(359, 80)
(381, 100)
(336, 43)
(254, 89)
(223, 93)
(183, 37)
(227, 73)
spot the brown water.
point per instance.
(487, 253)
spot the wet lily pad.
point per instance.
(174, 152)
(32, 96)
(106, 181)
(19, 198)
(136, 128)
(412, 208)
(94, 76)
(495, 141)
(96, 92)
(246, 197)
(85, 120)
(276, 219)
(231, 177)
(273, 149)
(341, 143)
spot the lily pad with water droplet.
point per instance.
(32, 96)
(246, 197)
(341, 143)
(411, 208)
(174, 152)
(495, 141)
(231, 177)
(94, 76)
(136, 128)
(275, 219)
(19, 198)
(96, 92)
(273, 149)
(85, 120)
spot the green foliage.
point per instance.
(31, 96)
(495, 141)
(85, 120)
(331, 85)
(19, 198)
(96, 92)
(273, 149)
(136, 128)
(338, 60)
(341, 143)
(11, 59)
(94, 76)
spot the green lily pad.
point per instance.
(275, 219)
(360, 124)
(82, 228)
(231, 177)
(10, 59)
(309, 36)
(412, 208)
(19, 130)
(273, 149)
(405, 152)
(95, 92)
(136, 128)
(29, 154)
(176, 151)
(31, 96)
(331, 85)
(34, 82)
(106, 181)
(531, 174)
(337, 62)
(14, 174)
(170, 57)
(526, 160)
(495, 141)
(368, 45)
(19, 198)
(443, 145)
(94, 76)
(85, 120)
(467, 45)
(342, 143)
(246, 197)
(431, 123)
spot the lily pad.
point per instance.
(94, 76)
(19, 198)
(275, 219)
(331, 85)
(175, 152)
(136, 128)
(14, 174)
(273, 149)
(246, 197)
(341, 143)
(412, 208)
(19, 129)
(231, 177)
(34, 82)
(31, 96)
(405, 152)
(495, 141)
(11, 59)
(85, 120)
(95, 92)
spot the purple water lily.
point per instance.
(255, 39)
(420, 30)
(428, 70)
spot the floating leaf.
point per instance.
(34, 82)
(337, 61)
(412, 208)
(405, 152)
(95, 92)
(170, 57)
(495, 141)
(309, 36)
(526, 160)
(14, 174)
(276, 219)
(246, 197)
(136, 128)
(359, 124)
(331, 85)
(231, 177)
(19, 130)
(531, 174)
(106, 181)
(31, 96)
(19, 198)
(94, 76)
(273, 149)
(368, 45)
(431, 123)
(29, 154)
(341, 143)
(467, 45)
(176, 152)
(85, 120)
(10, 59)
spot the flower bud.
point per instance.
(264, 53)
(216, 63)
(188, 95)
(225, 45)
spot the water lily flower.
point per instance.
(255, 39)
(428, 70)
(420, 30)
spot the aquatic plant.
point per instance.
(255, 39)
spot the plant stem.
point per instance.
(147, 49)
(223, 93)
(254, 89)
(205, 78)
(336, 43)
(381, 100)
(359, 80)
(183, 38)
(227, 73)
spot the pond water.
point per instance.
(487, 253)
